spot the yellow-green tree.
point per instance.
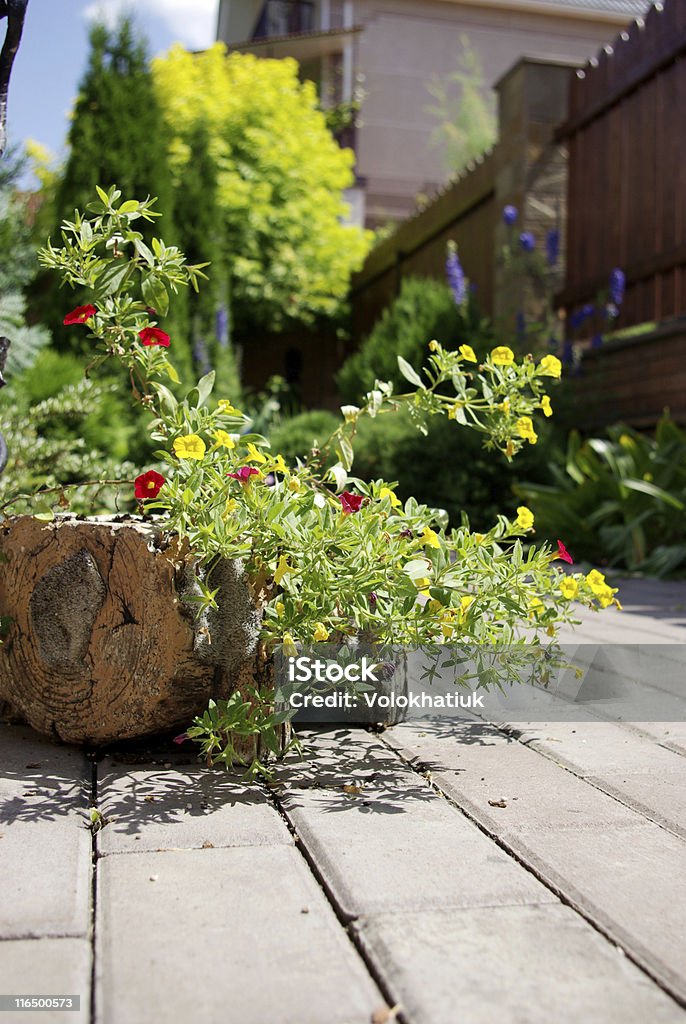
(280, 179)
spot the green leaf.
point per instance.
(103, 195)
(654, 491)
(409, 373)
(205, 386)
(142, 250)
(155, 294)
(130, 206)
(113, 277)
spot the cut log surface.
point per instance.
(99, 644)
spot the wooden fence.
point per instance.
(626, 138)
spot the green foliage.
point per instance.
(280, 179)
(329, 555)
(296, 437)
(465, 109)
(117, 131)
(49, 460)
(424, 309)
(619, 500)
(27, 342)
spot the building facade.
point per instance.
(387, 54)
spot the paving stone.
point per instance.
(45, 846)
(182, 807)
(365, 842)
(242, 934)
(511, 965)
(624, 871)
(482, 769)
(46, 967)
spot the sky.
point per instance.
(54, 49)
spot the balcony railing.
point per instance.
(285, 17)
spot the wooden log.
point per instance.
(100, 645)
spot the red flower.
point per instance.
(79, 315)
(350, 502)
(154, 336)
(244, 474)
(148, 485)
(563, 553)
(181, 738)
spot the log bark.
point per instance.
(100, 645)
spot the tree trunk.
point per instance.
(99, 644)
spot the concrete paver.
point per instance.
(511, 965)
(47, 967)
(184, 807)
(45, 844)
(238, 935)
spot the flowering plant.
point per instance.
(326, 555)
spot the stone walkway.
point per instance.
(456, 872)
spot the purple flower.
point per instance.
(222, 326)
(510, 215)
(568, 353)
(596, 341)
(617, 286)
(552, 245)
(588, 310)
(455, 276)
(527, 241)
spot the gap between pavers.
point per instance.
(625, 873)
(383, 841)
(47, 967)
(173, 806)
(236, 934)
(510, 965)
(45, 844)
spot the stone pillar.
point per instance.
(531, 174)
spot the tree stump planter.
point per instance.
(99, 644)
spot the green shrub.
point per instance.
(618, 501)
(447, 469)
(423, 310)
(295, 437)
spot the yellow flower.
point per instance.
(430, 538)
(278, 465)
(386, 492)
(222, 439)
(279, 608)
(433, 605)
(569, 588)
(546, 406)
(465, 604)
(289, 648)
(294, 485)
(225, 406)
(321, 633)
(434, 346)
(596, 581)
(478, 537)
(525, 518)
(504, 405)
(509, 449)
(422, 583)
(189, 447)
(626, 441)
(254, 455)
(525, 429)
(536, 606)
(606, 596)
(550, 366)
(231, 504)
(467, 353)
(282, 568)
(502, 356)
